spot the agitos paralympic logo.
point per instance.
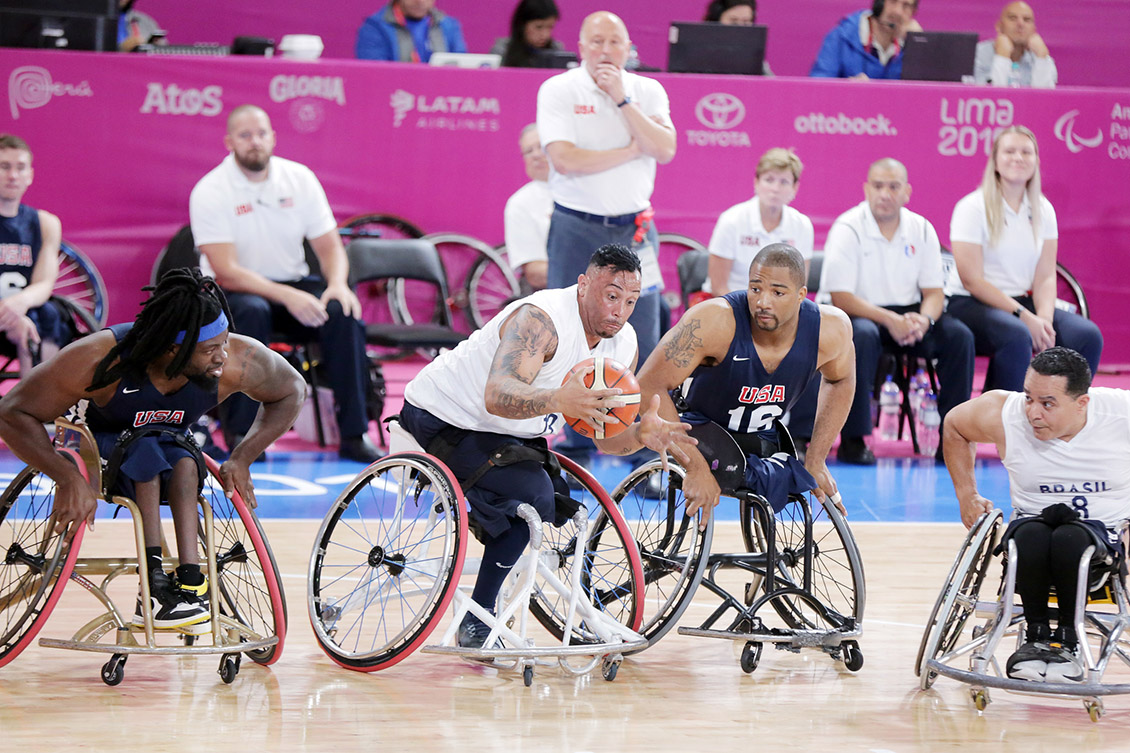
(1065, 132)
(31, 87)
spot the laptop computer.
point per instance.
(554, 59)
(938, 56)
(465, 59)
(716, 48)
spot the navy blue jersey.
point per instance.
(738, 392)
(136, 403)
(20, 240)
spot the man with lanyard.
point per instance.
(485, 407)
(140, 386)
(741, 361)
(408, 31)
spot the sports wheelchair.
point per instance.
(389, 555)
(247, 604)
(801, 562)
(968, 638)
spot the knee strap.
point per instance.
(112, 465)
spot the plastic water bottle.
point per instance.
(889, 399)
(919, 386)
(1014, 75)
(928, 434)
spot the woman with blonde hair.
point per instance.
(1004, 239)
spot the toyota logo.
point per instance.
(719, 111)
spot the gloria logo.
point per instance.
(286, 88)
(1065, 132)
(170, 99)
(30, 87)
(720, 111)
(446, 112)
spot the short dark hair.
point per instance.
(1064, 362)
(715, 10)
(782, 255)
(12, 141)
(518, 53)
(617, 256)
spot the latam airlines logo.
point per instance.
(446, 112)
(1065, 132)
(721, 113)
(31, 87)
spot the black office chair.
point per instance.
(372, 260)
(692, 266)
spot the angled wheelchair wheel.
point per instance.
(611, 575)
(380, 225)
(36, 564)
(958, 598)
(1069, 294)
(81, 284)
(387, 561)
(836, 595)
(490, 285)
(250, 587)
(672, 549)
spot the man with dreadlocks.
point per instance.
(143, 383)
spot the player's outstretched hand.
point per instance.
(665, 436)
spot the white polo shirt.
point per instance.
(572, 108)
(266, 221)
(1011, 264)
(859, 259)
(739, 235)
(526, 221)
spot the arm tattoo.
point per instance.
(685, 341)
(528, 342)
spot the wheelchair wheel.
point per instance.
(491, 284)
(80, 283)
(837, 594)
(958, 598)
(250, 587)
(672, 549)
(1069, 294)
(612, 576)
(386, 561)
(379, 225)
(36, 564)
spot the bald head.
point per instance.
(604, 39)
(887, 190)
(250, 139)
(1018, 23)
(889, 164)
(238, 113)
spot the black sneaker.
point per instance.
(1030, 662)
(854, 451)
(176, 606)
(473, 632)
(1064, 662)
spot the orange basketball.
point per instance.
(606, 375)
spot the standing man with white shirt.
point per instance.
(527, 213)
(1018, 55)
(249, 217)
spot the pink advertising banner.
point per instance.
(120, 141)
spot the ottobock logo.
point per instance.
(721, 113)
(170, 99)
(1065, 132)
(446, 112)
(285, 88)
(843, 125)
(30, 87)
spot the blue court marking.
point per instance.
(303, 485)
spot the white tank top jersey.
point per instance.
(1090, 473)
(452, 387)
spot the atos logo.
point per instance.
(1065, 132)
(720, 111)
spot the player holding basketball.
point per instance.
(748, 356)
(486, 407)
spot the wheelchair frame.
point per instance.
(943, 649)
(231, 631)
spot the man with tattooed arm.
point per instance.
(486, 407)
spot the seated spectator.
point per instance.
(408, 31)
(1005, 239)
(527, 213)
(136, 28)
(531, 31)
(29, 263)
(735, 13)
(883, 267)
(746, 228)
(868, 43)
(1018, 55)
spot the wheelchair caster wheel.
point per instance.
(980, 699)
(609, 669)
(751, 656)
(528, 676)
(189, 640)
(853, 657)
(1094, 709)
(229, 668)
(114, 670)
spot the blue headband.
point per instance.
(208, 331)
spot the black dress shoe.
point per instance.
(360, 449)
(854, 451)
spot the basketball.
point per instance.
(608, 374)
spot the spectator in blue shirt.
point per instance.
(868, 43)
(409, 31)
